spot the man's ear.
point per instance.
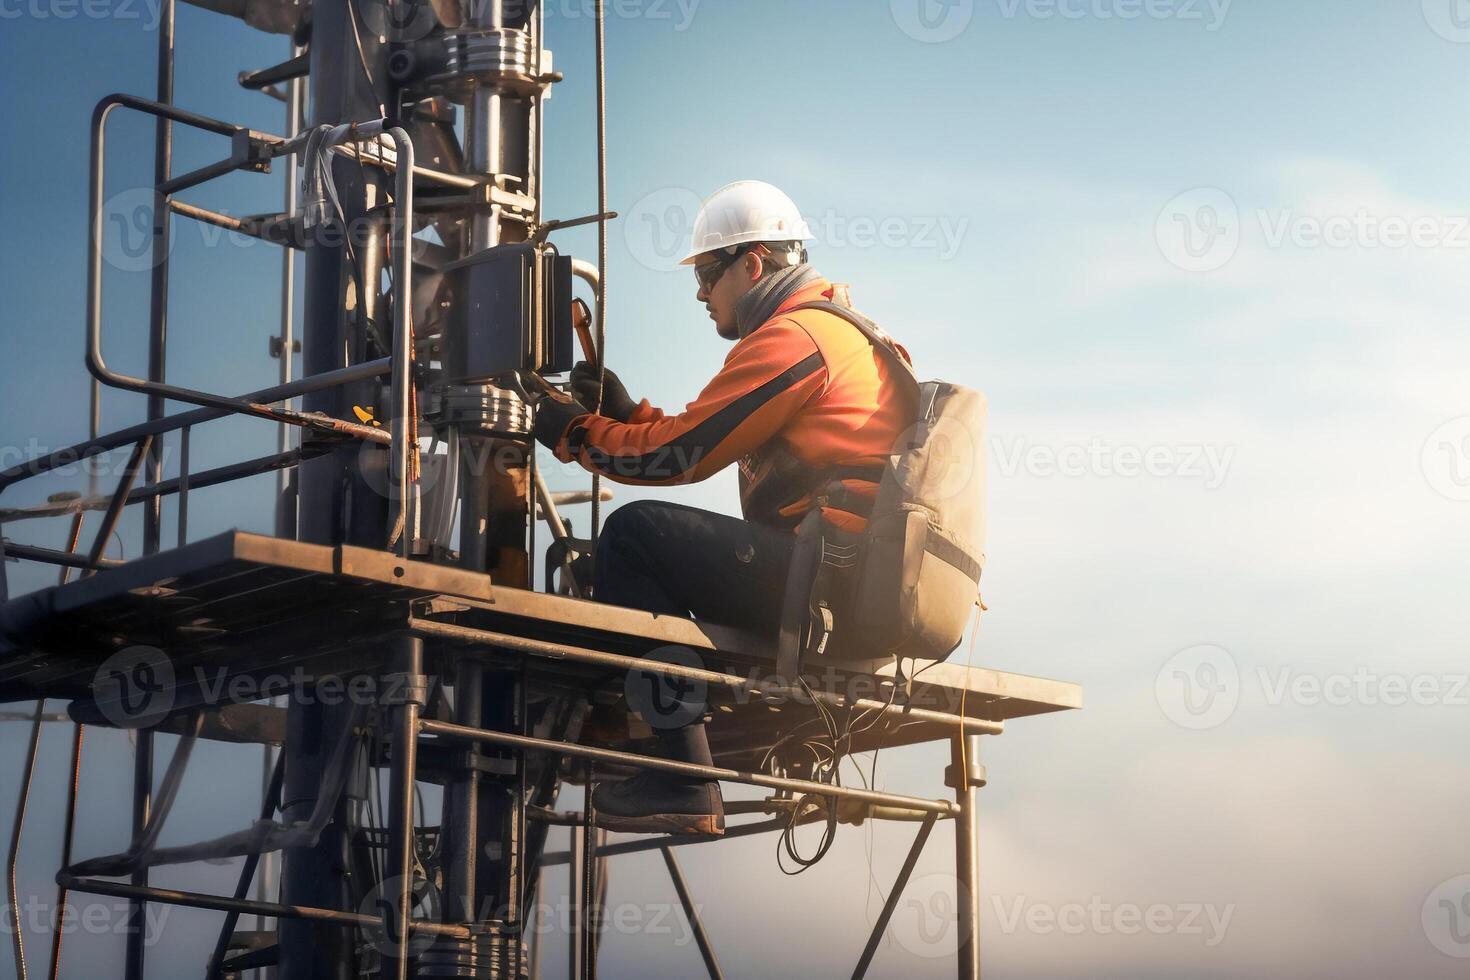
(753, 265)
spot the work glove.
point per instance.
(555, 412)
(616, 404)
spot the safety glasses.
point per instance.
(711, 272)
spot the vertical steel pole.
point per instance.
(575, 858)
(589, 921)
(67, 834)
(153, 507)
(410, 686)
(966, 776)
(462, 802)
(158, 298)
(285, 480)
(335, 505)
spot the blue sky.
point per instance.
(1141, 227)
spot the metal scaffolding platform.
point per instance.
(241, 604)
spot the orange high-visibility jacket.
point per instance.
(803, 400)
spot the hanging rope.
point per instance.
(600, 27)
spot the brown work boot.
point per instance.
(660, 803)
(654, 802)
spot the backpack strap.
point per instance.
(806, 614)
(876, 336)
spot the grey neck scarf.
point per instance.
(765, 297)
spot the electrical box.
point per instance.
(512, 309)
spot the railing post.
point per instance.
(966, 775)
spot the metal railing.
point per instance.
(250, 150)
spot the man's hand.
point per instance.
(555, 411)
(616, 404)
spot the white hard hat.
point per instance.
(746, 211)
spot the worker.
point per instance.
(803, 399)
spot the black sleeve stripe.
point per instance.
(678, 456)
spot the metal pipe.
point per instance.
(270, 801)
(67, 834)
(21, 803)
(66, 559)
(967, 776)
(405, 513)
(101, 444)
(218, 903)
(163, 146)
(899, 883)
(587, 911)
(562, 651)
(555, 858)
(183, 485)
(208, 217)
(295, 114)
(409, 665)
(448, 730)
(73, 541)
(461, 801)
(95, 362)
(576, 856)
(119, 500)
(142, 815)
(198, 481)
(691, 912)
